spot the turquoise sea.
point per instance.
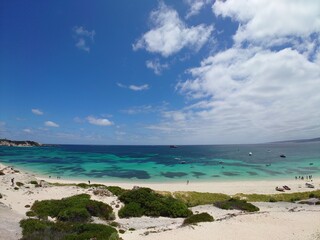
(165, 164)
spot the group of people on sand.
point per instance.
(302, 177)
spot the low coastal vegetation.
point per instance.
(145, 202)
(197, 218)
(34, 229)
(193, 199)
(72, 216)
(78, 208)
(237, 204)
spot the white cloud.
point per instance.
(51, 124)
(36, 111)
(83, 37)
(250, 95)
(156, 66)
(196, 6)
(271, 22)
(27, 130)
(170, 34)
(139, 88)
(99, 121)
(134, 87)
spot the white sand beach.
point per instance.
(278, 220)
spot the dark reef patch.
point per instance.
(173, 174)
(215, 176)
(252, 173)
(231, 174)
(119, 173)
(198, 174)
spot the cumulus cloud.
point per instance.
(271, 22)
(263, 88)
(196, 6)
(36, 111)
(170, 34)
(83, 38)
(134, 87)
(51, 124)
(99, 121)
(156, 66)
(242, 92)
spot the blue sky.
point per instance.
(159, 72)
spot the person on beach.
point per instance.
(12, 182)
(187, 182)
(89, 182)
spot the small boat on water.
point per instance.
(182, 162)
(173, 146)
(250, 153)
(283, 156)
(280, 189)
(309, 185)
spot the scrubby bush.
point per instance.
(78, 208)
(272, 200)
(2, 173)
(30, 214)
(16, 188)
(116, 190)
(131, 209)
(201, 217)
(34, 182)
(19, 184)
(144, 201)
(34, 229)
(0, 195)
(237, 204)
(198, 198)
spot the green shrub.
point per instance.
(202, 217)
(117, 191)
(0, 195)
(2, 173)
(30, 214)
(34, 182)
(144, 201)
(114, 224)
(197, 198)
(272, 199)
(78, 208)
(122, 231)
(19, 184)
(132, 229)
(16, 188)
(131, 209)
(74, 214)
(33, 229)
(237, 204)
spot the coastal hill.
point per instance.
(300, 140)
(11, 143)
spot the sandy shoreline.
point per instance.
(281, 220)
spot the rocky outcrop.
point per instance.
(6, 142)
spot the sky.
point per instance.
(159, 72)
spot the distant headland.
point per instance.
(11, 143)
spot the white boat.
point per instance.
(250, 153)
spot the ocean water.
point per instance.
(164, 164)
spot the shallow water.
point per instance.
(161, 163)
